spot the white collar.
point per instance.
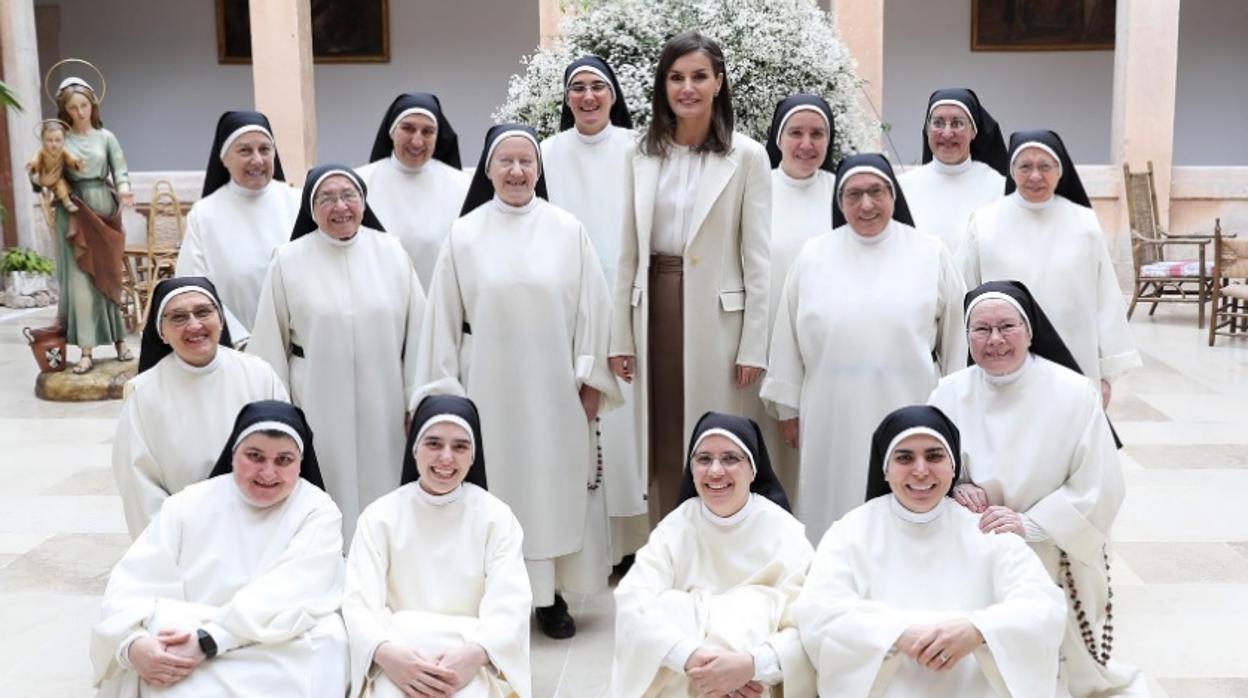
(398, 165)
(1018, 199)
(340, 243)
(900, 511)
(1012, 376)
(883, 235)
(244, 191)
(198, 370)
(960, 168)
(599, 137)
(730, 520)
(440, 500)
(505, 207)
(795, 182)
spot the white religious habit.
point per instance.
(585, 176)
(265, 583)
(864, 325)
(943, 197)
(1057, 249)
(417, 205)
(883, 568)
(1037, 442)
(173, 422)
(433, 573)
(230, 238)
(723, 582)
(518, 320)
(339, 321)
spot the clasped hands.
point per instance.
(625, 367)
(993, 519)
(939, 646)
(718, 673)
(440, 676)
(167, 658)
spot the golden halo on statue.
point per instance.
(99, 96)
(39, 127)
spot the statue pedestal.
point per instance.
(107, 381)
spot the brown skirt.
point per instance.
(665, 353)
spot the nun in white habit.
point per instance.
(519, 311)
(245, 211)
(437, 598)
(964, 167)
(803, 176)
(705, 609)
(181, 405)
(415, 181)
(906, 597)
(339, 321)
(1041, 464)
(1045, 234)
(234, 588)
(870, 318)
(585, 166)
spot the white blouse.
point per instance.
(673, 206)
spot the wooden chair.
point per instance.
(1230, 286)
(165, 228)
(1159, 278)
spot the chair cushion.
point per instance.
(1171, 269)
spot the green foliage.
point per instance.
(8, 98)
(22, 259)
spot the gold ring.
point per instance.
(99, 96)
(943, 659)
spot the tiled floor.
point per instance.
(1181, 570)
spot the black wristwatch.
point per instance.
(207, 645)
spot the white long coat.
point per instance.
(726, 280)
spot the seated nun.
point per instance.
(1041, 464)
(437, 598)
(705, 609)
(188, 375)
(234, 588)
(906, 597)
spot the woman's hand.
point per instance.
(717, 673)
(623, 367)
(789, 431)
(590, 398)
(464, 661)
(155, 664)
(745, 375)
(941, 646)
(1107, 391)
(416, 676)
(127, 199)
(972, 497)
(1001, 520)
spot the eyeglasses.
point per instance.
(875, 193)
(728, 459)
(1027, 168)
(347, 197)
(597, 87)
(940, 124)
(982, 332)
(180, 318)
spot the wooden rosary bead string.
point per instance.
(1085, 627)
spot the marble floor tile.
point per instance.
(87, 481)
(1205, 688)
(68, 563)
(1191, 456)
(1178, 563)
(1182, 630)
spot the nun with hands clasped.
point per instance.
(1041, 465)
(437, 598)
(870, 318)
(245, 211)
(518, 319)
(415, 181)
(1045, 234)
(705, 609)
(235, 586)
(188, 374)
(906, 597)
(339, 321)
(964, 166)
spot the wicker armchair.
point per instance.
(1160, 278)
(1230, 286)
(165, 227)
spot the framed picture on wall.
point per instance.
(1042, 25)
(343, 31)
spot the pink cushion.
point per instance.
(1171, 269)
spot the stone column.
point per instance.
(861, 25)
(281, 67)
(1146, 55)
(550, 13)
(21, 73)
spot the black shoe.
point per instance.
(626, 563)
(555, 621)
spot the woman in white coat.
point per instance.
(339, 321)
(871, 317)
(690, 320)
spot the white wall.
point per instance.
(927, 46)
(1212, 94)
(166, 89)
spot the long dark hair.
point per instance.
(663, 120)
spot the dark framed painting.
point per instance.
(1043, 25)
(343, 31)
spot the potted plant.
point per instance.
(25, 271)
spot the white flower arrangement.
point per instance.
(773, 49)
